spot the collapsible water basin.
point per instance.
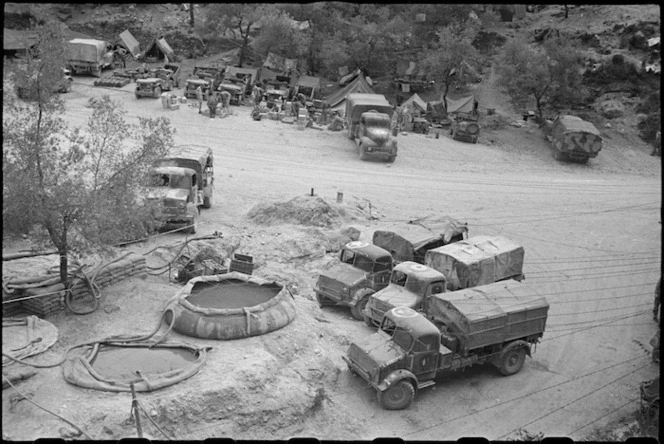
(113, 366)
(230, 306)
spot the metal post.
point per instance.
(134, 408)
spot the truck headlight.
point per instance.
(181, 205)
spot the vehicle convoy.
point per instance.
(573, 138)
(369, 122)
(158, 80)
(496, 324)
(477, 260)
(363, 269)
(182, 183)
(410, 283)
(421, 236)
(90, 55)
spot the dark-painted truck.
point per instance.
(410, 284)
(477, 260)
(369, 122)
(496, 324)
(181, 183)
(363, 269)
(573, 138)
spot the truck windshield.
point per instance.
(401, 337)
(170, 181)
(399, 278)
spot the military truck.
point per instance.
(90, 55)
(477, 260)
(183, 182)
(201, 77)
(494, 324)
(414, 240)
(158, 80)
(235, 87)
(369, 122)
(573, 138)
(410, 283)
(363, 269)
(465, 128)
(28, 89)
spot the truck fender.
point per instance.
(396, 376)
(359, 294)
(515, 344)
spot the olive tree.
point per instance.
(78, 189)
(547, 74)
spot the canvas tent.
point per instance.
(415, 101)
(462, 105)
(337, 100)
(280, 64)
(130, 43)
(344, 80)
(308, 85)
(158, 50)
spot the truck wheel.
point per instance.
(397, 397)
(558, 155)
(358, 309)
(390, 159)
(157, 92)
(363, 152)
(512, 360)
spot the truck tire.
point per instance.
(511, 360)
(558, 155)
(391, 159)
(358, 309)
(363, 152)
(397, 397)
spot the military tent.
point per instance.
(462, 105)
(415, 101)
(337, 99)
(307, 85)
(158, 50)
(130, 43)
(344, 80)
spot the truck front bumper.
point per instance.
(359, 370)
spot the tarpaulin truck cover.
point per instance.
(87, 50)
(490, 314)
(476, 261)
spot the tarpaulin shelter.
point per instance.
(344, 80)
(337, 100)
(462, 105)
(16, 42)
(279, 63)
(307, 85)
(158, 50)
(415, 101)
(130, 43)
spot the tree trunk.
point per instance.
(191, 14)
(447, 88)
(64, 277)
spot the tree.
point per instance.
(549, 74)
(238, 19)
(451, 55)
(83, 187)
(278, 34)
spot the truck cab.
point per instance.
(410, 283)
(362, 270)
(369, 120)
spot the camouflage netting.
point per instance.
(229, 323)
(113, 365)
(304, 210)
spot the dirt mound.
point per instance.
(302, 210)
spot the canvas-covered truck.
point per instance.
(410, 283)
(363, 269)
(202, 76)
(573, 138)
(157, 81)
(369, 122)
(496, 324)
(90, 55)
(477, 260)
(183, 182)
(412, 241)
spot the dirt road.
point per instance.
(593, 247)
